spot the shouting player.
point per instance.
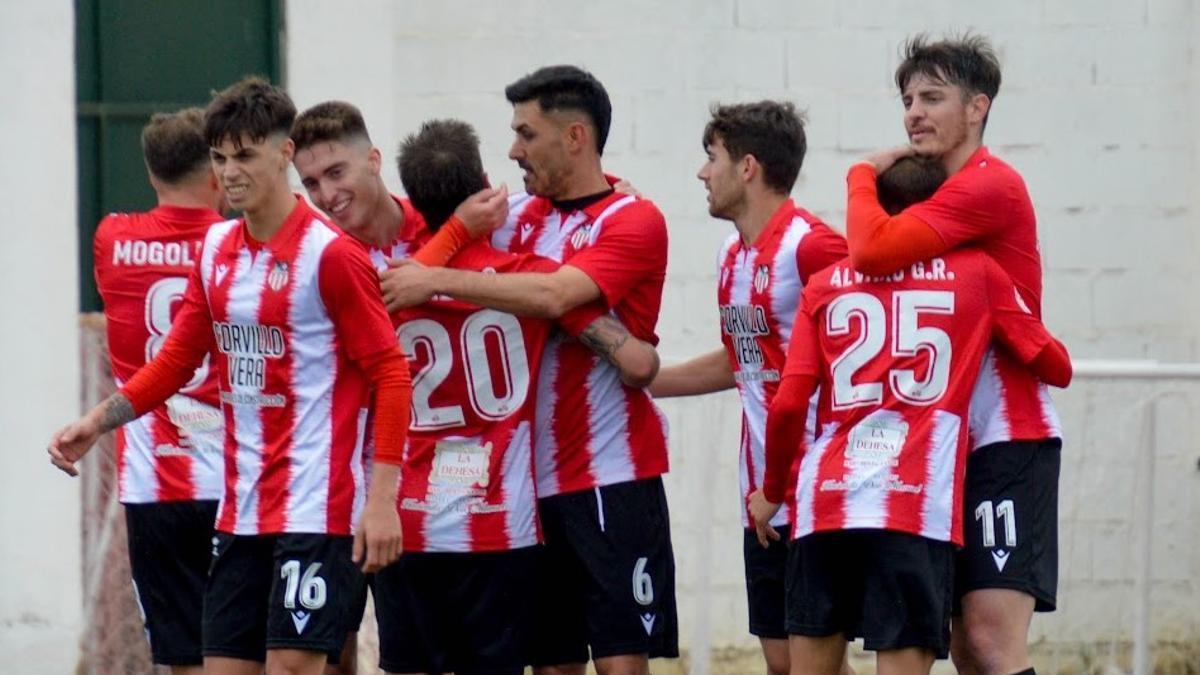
(755, 151)
(879, 491)
(291, 312)
(600, 446)
(169, 461)
(1012, 480)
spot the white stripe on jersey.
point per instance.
(611, 456)
(517, 474)
(810, 465)
(988, 415)
(139, 480)
(244, 303)
(314, 369)
(785, 279)
(545, 467)
(937, 511)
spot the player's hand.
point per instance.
(884, 159)
(762, 511)
(406, 283)
(378, 540)
(484, 211)
(624, 187)
(71, 443)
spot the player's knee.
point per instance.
(960, 652)
(623, 665)
(778, 664)
(568, 669)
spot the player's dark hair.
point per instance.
(910, 180)
(566, 88)
(252, 107)
(440, 167)
(771, 131)
(173, 145)
(968, 61)
(329, 121)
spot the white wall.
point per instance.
(39, 372)
(1097, 110)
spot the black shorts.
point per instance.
(766, 571)
(169, 546)
(285, 591)
(608, 575)
(891, 589)
(469, 613)
(1010, 521)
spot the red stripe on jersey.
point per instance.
(174, 472)
(278, 423)
(573, 448)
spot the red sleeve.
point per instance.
(349, 288)
(1021, 333)
(785, 432)
(963, 210)
(575, 321)
(190, 340)
(101, 252)
(820, 248)
(632, 247)
(388, 372)
(882, 244)
(450, 238)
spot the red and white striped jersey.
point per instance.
(986, 205)
(467, 483)
(758, 293)
(591, 430)
(287, 322)
(142, 262)
(897, 359)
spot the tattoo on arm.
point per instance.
(605, 336)
(117, 411)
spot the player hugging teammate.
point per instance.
(465, 376)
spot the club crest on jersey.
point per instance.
(278, 277)
(762, 277)
(581, 236)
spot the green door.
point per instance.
(137, 57)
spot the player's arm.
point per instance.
(546, 295)
(183, 351)
(881, 244)
(636, 360)
(703, 374)
(818, 249)
(351, 294)
(1022, 334)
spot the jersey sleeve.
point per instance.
(962, 211)
(1013, 325)
(102, 252)
(820, 248)
(631, 247)
(575, 321)
(349, 288)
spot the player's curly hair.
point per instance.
(440, 167)
(566, 88)
(252, 107)
(173, 145)
(329, 121)
(771, 131)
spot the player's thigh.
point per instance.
(1011, 521)
(817, 655)
(314, 587)
(766, 572)
(624, 542)
(236, 597)
(170, 552)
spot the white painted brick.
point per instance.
(1140, 299)
(741, 60)
(898, 15)
(1133, 58)
(813, 63)
(467, 18)
(785, 14)
(1121, 238)
(870, 122)
(1099, 13)
(1169, 12)
(1044, 57)
(1067, 303)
